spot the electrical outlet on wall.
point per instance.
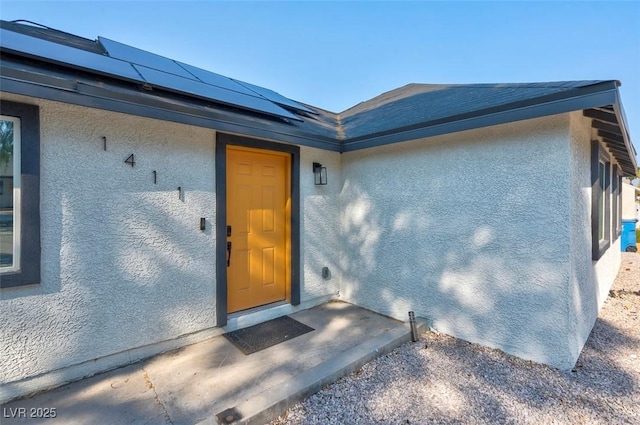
(326, 273)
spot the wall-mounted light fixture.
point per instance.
(320, 174)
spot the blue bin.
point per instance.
(628, 238)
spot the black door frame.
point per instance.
(222, 141)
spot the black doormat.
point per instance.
(267, 334)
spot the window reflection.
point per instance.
(7, 195)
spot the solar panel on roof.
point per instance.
(142, 57)
(276, 97)
(217, 80)
(25, 45)
(153, 62)
(210, 92)
(176, 78)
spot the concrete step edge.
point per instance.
(274, 401)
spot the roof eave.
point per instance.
(622, 122)
(604, 93)
(36, 84)
(22, 82)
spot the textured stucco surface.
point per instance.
(582, 288)
(124, 264)
(486, 233)
(470, 230)
(320, 224)
(590, 280)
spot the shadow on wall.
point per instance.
(321, 245)
(482, 253)
(136, 271)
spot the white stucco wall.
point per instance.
(484, 232)
(590, 280)
(470, 230)
(320, 226)
(581, 289)
(124, 264)
(629, 204)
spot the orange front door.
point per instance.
(257, 213)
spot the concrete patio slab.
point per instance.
(195, 383)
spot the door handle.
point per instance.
(228, 254)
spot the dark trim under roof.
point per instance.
(412, 112)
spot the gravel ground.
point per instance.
(442, 380)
